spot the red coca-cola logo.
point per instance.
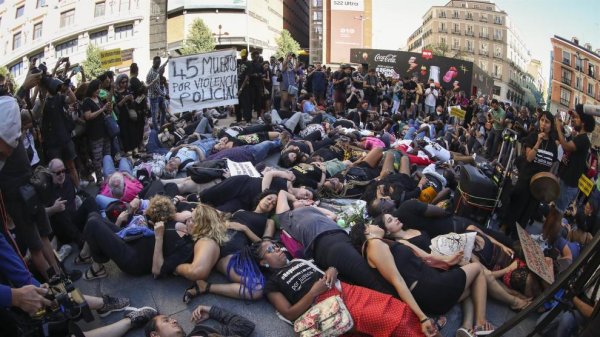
(389, 58)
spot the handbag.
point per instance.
(329, 317)
(292, 90)
(111, 126)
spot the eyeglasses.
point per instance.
(60, 172)
(271, 249)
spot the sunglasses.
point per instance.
(272, 249)
(60, 172)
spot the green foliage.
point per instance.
(8, 75)
(92, 65)
(439, 49)
(286, 44)
(200, 39)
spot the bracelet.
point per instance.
(424, 320)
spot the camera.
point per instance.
(48, 82)
(67, 302)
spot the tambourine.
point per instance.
(544, 187)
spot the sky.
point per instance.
(536, 20)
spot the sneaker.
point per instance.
(112, 304)
(63, 252)
(463, 332)
(139, 317)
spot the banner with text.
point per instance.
(203, 81)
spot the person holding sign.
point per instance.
(539, 156)
(157, 95)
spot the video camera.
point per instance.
(48, 82)
(67, 302)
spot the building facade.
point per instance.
(235, 23)
(338, 26)
(295, 20)
(49, 30)
(480, 32)
(574, 77)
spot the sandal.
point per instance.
(194, 291)
(440, 322)
(516, 308)
(83, 260)
(484, 330)
(91, 274)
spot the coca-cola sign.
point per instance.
(389, 58)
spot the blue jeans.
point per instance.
(103, 201)
(206, 145)
(563, 325)
(261, 151)
(203, 127)
(154, 145)
(567, 195)
(108, 166)
(157, 103)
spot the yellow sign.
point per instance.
(585, 185)
(458, 113)
(110, 58)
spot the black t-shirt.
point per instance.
(256, 70)
(412, 215)
(330, 152)
(176, 249)
(54, 129)
(242, 188)
(573, 164)
(65, 192)
(94, 127)
(338, 75)
(302, 146)
(243, 68)
(293, 281)
(15, 173)
(307, 175)
(544, 158)
(256, 222)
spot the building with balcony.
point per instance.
(480, 32)
(574, 77)
(50, 29)
(338, 26)
(235, 24)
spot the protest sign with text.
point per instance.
(203, 81)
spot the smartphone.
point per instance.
(76, 69)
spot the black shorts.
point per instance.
(64, 151)
(29, 227)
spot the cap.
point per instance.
(10, 124)
(114, 209)
(244, 52)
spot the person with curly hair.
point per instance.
(132, 244)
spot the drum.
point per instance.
(544, 187)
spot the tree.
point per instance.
(440, 49)
(286, 44)
(8, 76)
(92, 65)
(200, 39)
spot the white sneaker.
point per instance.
(63, 252)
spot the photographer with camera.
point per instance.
(57, 125)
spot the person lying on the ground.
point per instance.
(423, 288)
(252, 153)
(293, 286)
(138, 248)
(244, 228)
(490, 253)
(238, 192)
(230, 324)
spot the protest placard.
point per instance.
(203, 80)
(585, 185)
(242, 169)
(457, 112)
(110, 58)
(534, 257)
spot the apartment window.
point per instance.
(455, 44)
(497, 70)
(99, 37)
(39, 57)
(497, 90)
(591, 70)
(484, 32)
(17, 69)
(20, 11)
(566, 57)
(566, 77)
(124, 5)
(442, 40)
(483, 17)
(99, 9)
(498, 34)
(483, 65)
(498, 20)
(37, 30)
(318, 16)
(66, 48)
(123, 31)
(470, 45)
(469, 16)
(484, 47)
(67, 18)
(442, 27)
(578, 64)
(455, 14)
(40, 3)
(16, 41)
(578, 82)
(565, 96)
(590, 90)
(469, 30)
(497, 51)
(442, 14)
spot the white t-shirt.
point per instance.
(438, 152)
(430, 96)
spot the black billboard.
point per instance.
(443, 70)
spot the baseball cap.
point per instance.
(10, 124)
(243, 53)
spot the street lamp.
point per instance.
(362, 19)
(220, 34)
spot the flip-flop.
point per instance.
(91, 274)
(484, 330)
(82, 260)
